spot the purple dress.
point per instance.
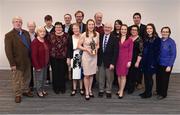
(124, 56)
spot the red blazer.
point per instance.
(39, 54)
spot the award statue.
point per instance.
(93, 47)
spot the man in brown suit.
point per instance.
(17, 48)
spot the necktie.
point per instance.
(105, 43)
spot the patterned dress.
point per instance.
(76, 60)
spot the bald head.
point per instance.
(107, 28)
(98, 18)
(31, 26)
(17, 22)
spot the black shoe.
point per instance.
(160, 97)
(87, 97)
(120, 97)
(100, 94)
(130, 91)
(146, 96)
(63, 91)
(73, 93)
(108, 95)
(91, 94)
(117, 93)
(81, 91)
(142, 94)
(56, 91)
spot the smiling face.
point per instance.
(149, 30)
(107, 28)
(79, 17)
(90, 25)
(165, 32)
(58, 29)
(76, 29)
(41, 32)
(17, 23)
(67, 19)
(124, 30)
(134, 31)
(137, 19)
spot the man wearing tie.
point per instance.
(107, 55)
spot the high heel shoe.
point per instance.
(91, 94)
(40, 94)
(87, 97)
(73, 93)
(81, 91)
(44, 93)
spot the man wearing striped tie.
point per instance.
(107, 55)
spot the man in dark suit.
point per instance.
(67, 24)
(79, 16)
(107, 56)
(17, 48)
(137, 21)
(49, 30)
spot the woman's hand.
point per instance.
(68, 61)
(128, 64)
(137, 64)
(168, 69)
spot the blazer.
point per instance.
(17, 53)
(70, 32)
(111, 52)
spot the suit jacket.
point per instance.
(111, 52)
(70, 32)
(17, 53)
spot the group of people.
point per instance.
(84, 52)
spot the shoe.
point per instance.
(130, 91)
(91, 94)
(108, 95)
(56, 91)
(73, 93)
(47, 83)
(87, 97)
(44, 93)
(100, 94)
(139, 86)
(160, 97)
(28, 94)
(120, 97)
(146, 96)
(117, 93)
(18, 99)
(63, 91)
(142, 94)
(40, 94)
(81, 91)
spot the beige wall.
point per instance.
(159, 12)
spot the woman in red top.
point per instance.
(40, 58)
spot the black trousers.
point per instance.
(148, 81)
(132, 77)
(48, 73)
(31, 84)
(59, 71)
(162, 81)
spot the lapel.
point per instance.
(16, 34)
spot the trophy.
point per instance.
(93, 47)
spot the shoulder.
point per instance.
(10, 33)
(171, 41)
